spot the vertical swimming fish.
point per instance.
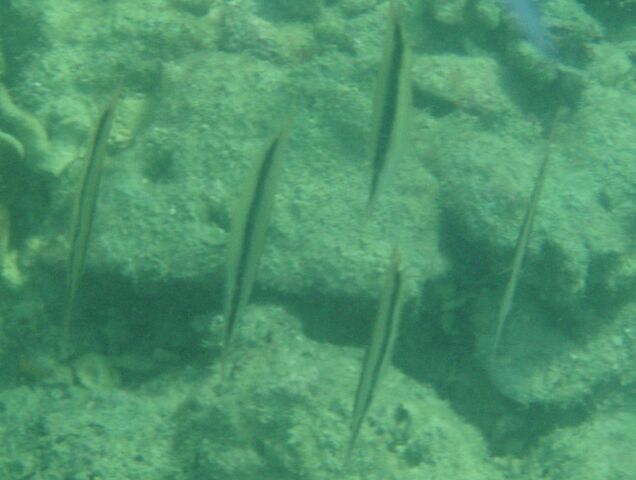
(84, 210)
(380, 347)
(391, 104)
(522, 239)
(247, 236)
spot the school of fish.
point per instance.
(252, 213)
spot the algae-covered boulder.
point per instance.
(45, 432)
(195, 7)
(26, 129)
(600, 448)
(179, 180)
(473, 84)
(285, 412)
(578, 271)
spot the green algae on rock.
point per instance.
(294, 9)
(10, 148)
(26, 128)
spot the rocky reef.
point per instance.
(204, 84)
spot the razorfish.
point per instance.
(380, 347)
(247, 234)
(523, 237)
(84, 211)
(391, 104)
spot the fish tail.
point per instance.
(350, 446)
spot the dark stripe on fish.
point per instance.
(387, 121)
(380, 348)
(249, 226)
(246, 243)
(89, 189)
(391, 99)
(85, 207)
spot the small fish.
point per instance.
(84, 210)
(247, 236)
(522, 239)
(391, 104)
(380, 347)
(531, 23)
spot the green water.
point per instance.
(204, 86)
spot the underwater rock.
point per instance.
(471, 84)
(11, 150)
(285, 412)
(621, 7)
(94, 372)
(599, 448)
(579, 272)
(294, 9)
(356, 7)
(533, 66)
(241, 31)
(559, 30)
(449, 12)
(178, 180)
(41, 368)
(541, 363)
(574, 29)
(70, 431)
(613, 66)
(488, 13)
(198, 8)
